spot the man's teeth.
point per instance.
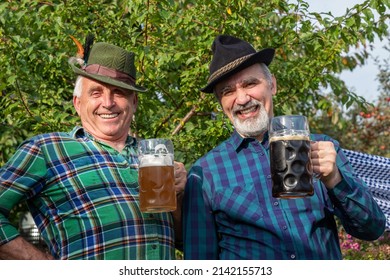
(108, 116)
(246, 111)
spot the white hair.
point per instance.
(78, 86)
(267, 73)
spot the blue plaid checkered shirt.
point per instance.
(229, 211)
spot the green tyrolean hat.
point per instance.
(111, 65)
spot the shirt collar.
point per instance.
(80, 132)
(240, 142)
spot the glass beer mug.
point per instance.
(156, 176)
(291, 167)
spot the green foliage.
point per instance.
(172, 40)
(365, 129)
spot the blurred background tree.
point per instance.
(172, 40)
(365, 129)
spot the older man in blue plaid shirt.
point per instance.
(229, 211)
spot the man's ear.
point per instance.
(76, 104)
(274, 85)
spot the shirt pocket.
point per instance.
(238, 204)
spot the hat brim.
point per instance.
(264, 56)
(106, 80)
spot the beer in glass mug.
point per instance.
(291, 167)
(156, 176)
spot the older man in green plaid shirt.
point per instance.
(82, 187)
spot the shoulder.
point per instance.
(212, 156)
(48, 138)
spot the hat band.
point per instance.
(108, 72)
(227, 67)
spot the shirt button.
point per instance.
(284, 227)
(154, 247)
(268, 176)
(276, 203)
(292, 256)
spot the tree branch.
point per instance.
(185, 119)
(23, 99)
(188, 116)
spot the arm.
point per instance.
(180, 181)
(199, 228)
(353, 202)
(20, 178)
(20, 249)
(177, 222)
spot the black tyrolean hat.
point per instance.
(230, 55)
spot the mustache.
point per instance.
(247, 105)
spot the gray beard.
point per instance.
(252, 127)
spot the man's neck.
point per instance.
(117, 144)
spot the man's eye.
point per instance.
(226, 92)
(119, 93)
(250, 84)
(95, 93)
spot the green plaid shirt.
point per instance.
(83, 196)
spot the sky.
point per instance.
(362, 79)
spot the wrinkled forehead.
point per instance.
(91, 84)
(253, 72)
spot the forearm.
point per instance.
(177, 221)
(359, 213)
(20, 249)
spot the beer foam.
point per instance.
(156, 160)
(293, 135)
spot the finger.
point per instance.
(315, 154)
(178, 165)
(180, 171)
(313, 145)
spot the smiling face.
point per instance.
(246, 99)
(105, 111)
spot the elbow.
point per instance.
(373, 230)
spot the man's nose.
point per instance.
(108, 100)
(242, 96)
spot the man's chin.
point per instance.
(251, 134)
(252, 130)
